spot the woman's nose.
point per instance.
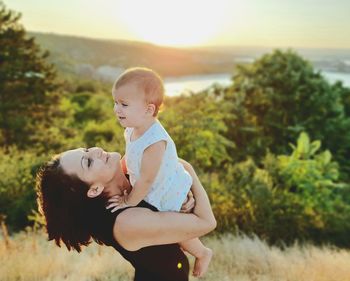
(97, 151)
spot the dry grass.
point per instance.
(243, 259)
(31, 258)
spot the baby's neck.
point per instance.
(140, 130)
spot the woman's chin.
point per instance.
(114, 158)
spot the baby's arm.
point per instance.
(150, 165)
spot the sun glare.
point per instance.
(174, 23)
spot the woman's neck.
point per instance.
(118, 184)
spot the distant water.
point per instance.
(195, 83)
(335, 76)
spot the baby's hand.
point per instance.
(188, 204)
(118, 202)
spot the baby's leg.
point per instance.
(201, 253)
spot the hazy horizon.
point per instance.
(272, 24)
(186, 47)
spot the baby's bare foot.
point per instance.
(202, 262)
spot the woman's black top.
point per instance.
(153, 263)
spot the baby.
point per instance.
(155, 172)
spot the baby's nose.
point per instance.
(118, 109)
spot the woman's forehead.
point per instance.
(71, 161)
(73, 153)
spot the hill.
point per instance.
(103, 59)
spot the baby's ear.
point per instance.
(151, 109)
(95, 190)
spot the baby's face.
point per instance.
(130, 106)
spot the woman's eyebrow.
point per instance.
(83, 157)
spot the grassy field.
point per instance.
(31, 258)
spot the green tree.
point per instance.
(295, 196)
(17, 194)
(26, 82)
(311, 178)
(196, 124)
(276, 98)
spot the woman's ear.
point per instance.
(95, 190)
(151, 108)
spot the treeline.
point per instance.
(272, 149)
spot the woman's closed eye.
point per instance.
(123, 104)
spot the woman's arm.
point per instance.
(136, 228)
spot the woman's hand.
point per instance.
(188, 204)
(118, 202)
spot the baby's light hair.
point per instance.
(147, 80)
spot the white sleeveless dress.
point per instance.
(172, 183)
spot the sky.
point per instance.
(184, 23)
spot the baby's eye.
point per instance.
(89, 162)
(124, 104)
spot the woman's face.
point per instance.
(92, 165)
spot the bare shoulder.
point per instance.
(128, 220)
(130, 226)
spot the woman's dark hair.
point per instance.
(71, 216)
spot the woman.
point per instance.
(73, 190)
